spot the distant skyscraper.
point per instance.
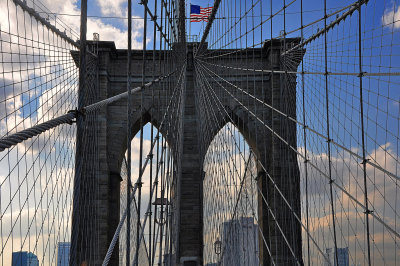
(63, 253)
(240, 242)
(24, 258)
(343, 257)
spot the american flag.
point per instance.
(198, 13)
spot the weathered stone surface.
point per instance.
(279, 164)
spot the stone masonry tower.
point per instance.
(109, 71)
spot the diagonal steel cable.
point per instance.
(14, 139)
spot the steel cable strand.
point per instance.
(234, 141)
(155, 235)
(353, 9)
(33, 162)
(19, 215)
(118, 230)
(259, 228)
(152, 119)
(376, 188)
(303, 72)
(396, 234)
(392, 175)
(43, 21)
(241, 36)
(387, 226)
(120, 96)
(14, 139)
(69, 91)
(209, 25)
(128, 133)
(352, 153)
(235, 144)
(285, 200)
(30, 146)
(238, 199)
(269, 209)
(359, 186)
(230, 29)
(319, 170)
(119, 227)
(139, 181)
(149, 204)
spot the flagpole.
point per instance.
(190, 22)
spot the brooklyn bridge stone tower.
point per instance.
(109, 72)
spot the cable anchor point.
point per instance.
(77, 114)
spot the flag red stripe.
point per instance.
(205, 12)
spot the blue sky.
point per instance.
(380, 48)
(381, 53)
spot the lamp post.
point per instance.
(217, 249)
(96, 37)
(217, 246)
(161, 218)
(162, 202)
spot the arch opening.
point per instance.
(230, 200)
(157, 183)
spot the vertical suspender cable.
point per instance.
(79, 125)
(364, 161)
(285, 109)
(82, 53)
(162, 160)
(304, 135)
(129, 137)
(271, 55)
(152, 122)
(209, 24)
(139, 182)
(263, 93)
(166, 246)
(328, 135)
(163, 143)
(158, 130)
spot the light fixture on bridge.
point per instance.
(96, 37)
(162, 203)
(217, 246)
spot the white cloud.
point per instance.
(391, 17)
(30, 203)
(112, 7)
(107, 32)
(349, 217)
(31, 177)
(110, 33)
(224, 167)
